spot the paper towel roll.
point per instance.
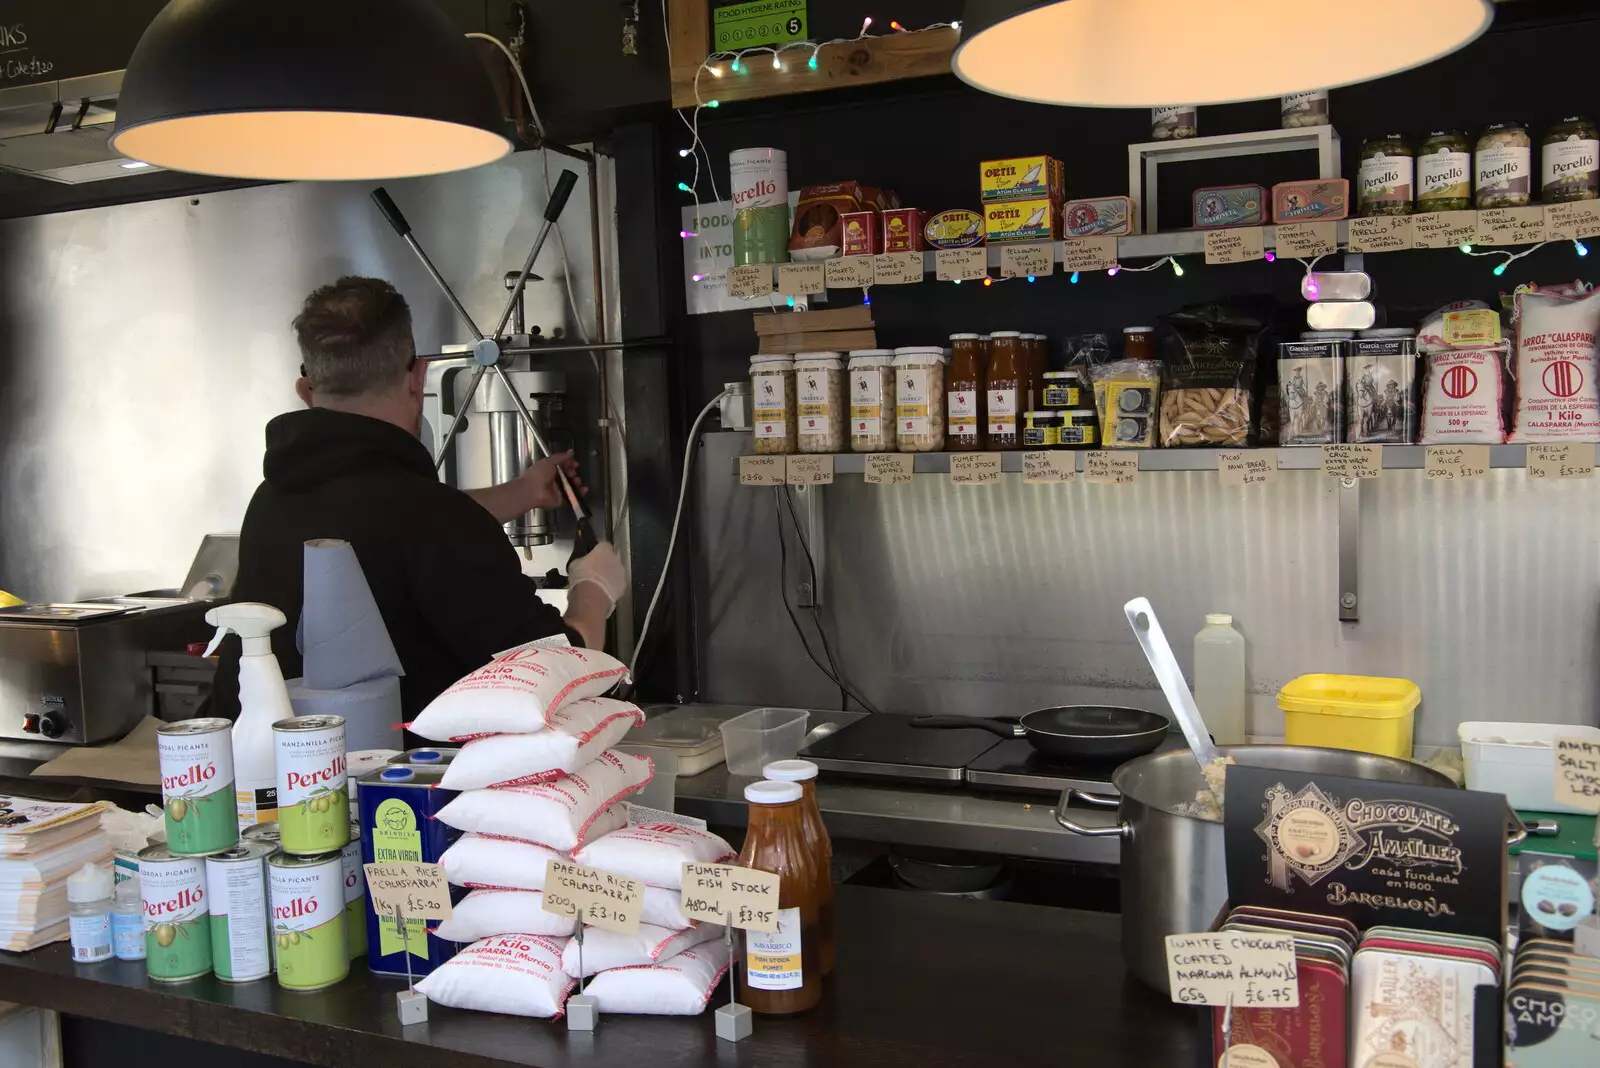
(371, 710)
(343, 638)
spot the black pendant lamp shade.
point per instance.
(307, 89)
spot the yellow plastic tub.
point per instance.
(1351, 712)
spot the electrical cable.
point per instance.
(816, 615)
(677, 520)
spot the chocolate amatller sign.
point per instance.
(1428, 857)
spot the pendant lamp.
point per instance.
(1149, 53)
(307, 89)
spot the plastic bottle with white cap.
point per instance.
(805, 773)
(263, 700)
(1219, 683)
(783, 967)
(89, 913)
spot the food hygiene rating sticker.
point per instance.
(759, 22)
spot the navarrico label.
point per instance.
(313, 805)
(197, 790)
(177, 932)
(308, 923)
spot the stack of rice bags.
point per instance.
(536, 780)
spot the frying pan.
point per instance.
(1100, 734)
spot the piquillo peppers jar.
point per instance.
(772, 404)
(919, 399)
(1569, 165)
(872, 400)
(1444, 171)
(783, 967)
(819, 402)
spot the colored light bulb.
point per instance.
(683, 187)
(1177, 268)
(1467, 249)
(1270, 256)
(1580, 248)
(1074, 278)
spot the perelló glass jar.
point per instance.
(1502, 166)
(1385, 181)
(1444, 171)
(1569, 165)
(871, 400)
(1174, 122)
(919, 399)
(1304, 109)
(772, 404)
(819, 402)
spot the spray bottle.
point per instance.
(263, 700)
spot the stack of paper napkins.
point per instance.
(41, 844)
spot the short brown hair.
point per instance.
(355, 337)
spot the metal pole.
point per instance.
(538, 439)
(522, 279)
(539, 350)
(461, 413)
(477, 335)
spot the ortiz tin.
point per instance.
(313, 805)
(308, 925)
(399, 809)
(202, 814)
(956, 228)
(177, 931)
(236, 887)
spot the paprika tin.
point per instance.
(398, 809)
(236, 887)
(355, 893)
(313, 805)
(197, 785)
(308, 925)
(177, 931)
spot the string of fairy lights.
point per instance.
(720, 65)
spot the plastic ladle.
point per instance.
(1142, 618)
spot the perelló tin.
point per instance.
(355, 897)
(177, 934)
(308, 920)
(398, 810)
(313, 807)
(236, 886)
(197, 785)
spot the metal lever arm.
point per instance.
(538, 439)
(391, 211)
(552, 212)
(461, 414)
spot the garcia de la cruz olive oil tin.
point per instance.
(398, 809)
(177, 928)
(308, 920)
(197, 785)
(313, 801)
(355, 893)
(236, 890)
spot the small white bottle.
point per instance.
(127, 921)
(89, 913)
(1219, 679)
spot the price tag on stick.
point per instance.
(1236, 244)
(1570, 460)
(801, 279)
(604, 900)
(897, 268)
(887, 468)
(974, 468)
(1352, 461)
(1448, 463)
(848, 272)
(1049, 466)
(961, 264)
(1247, 970)
(727, 893)
(1027, 261)
(1110, 468)
(408, 891)
(1253, 468)
(1307, 240)
(752, 280)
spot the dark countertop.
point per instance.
(921, 980)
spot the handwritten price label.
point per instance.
(975, 468)
(1448, 463)
(1444, 229)
(1352, 461)
(1572, 460)
(801, 279)
(607, 901)
(1381, 233)
(1578, 773)
(1247, 468)
(1568, 222)
(1027, 261)
(887, 469)
(961, 264)
(762, 470)
(1237, 244)
(1307, 240)
(814, 470)
(1049, 467)
(751, 280)
(417, 891)
(1511, 226)
(848, 272)
(1089, 253)
(1248, 970)
(1109, 468)
(897, 268)
(720, 893)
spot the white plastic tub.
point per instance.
(758, 737)
(1518, 760)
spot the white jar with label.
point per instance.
(1174, 122)
(1304, 109)
(872, 400)
(772, 404)
(919, 399)
(819, 402)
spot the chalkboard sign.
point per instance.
(45, 40)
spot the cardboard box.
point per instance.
(1024, 178)
(1022, 220)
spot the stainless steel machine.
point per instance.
(511, 447)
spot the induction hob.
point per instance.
(1016, 765)
(886, 746)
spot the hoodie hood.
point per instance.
(315, 445)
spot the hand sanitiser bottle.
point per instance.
(263, 700)
(1219, 680)
(89, 913)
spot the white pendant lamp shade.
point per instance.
(1149, 53)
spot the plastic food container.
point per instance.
(1518, 760)
(1370, 715)
(662, 790)
(758, 737)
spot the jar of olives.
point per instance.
(1386, 178)
(1444, 171)
(1569, 166)
(1502, 166)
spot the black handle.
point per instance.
(994, 726)
(558, 199)
(584, 541)
(391, 211)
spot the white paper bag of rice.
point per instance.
(604, 950)
(515, 974)
(516, 692)
(678, 986)
(654, 853)
(561, 814)
(574, 735)
(484, 913)
(489, 860)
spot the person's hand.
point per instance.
(600, 567)
(540, 487)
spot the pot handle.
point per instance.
(1001, 727)
(1094, 799)
(1517, 830)
(1119, 830)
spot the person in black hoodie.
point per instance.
(350, 466)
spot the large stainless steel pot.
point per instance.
(1174, 880)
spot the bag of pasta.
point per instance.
(1209, 385)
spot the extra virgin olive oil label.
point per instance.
(773, 958)
(177, 931)
(396, 837)
(313, 802)
(308, 920)
(197, 785)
